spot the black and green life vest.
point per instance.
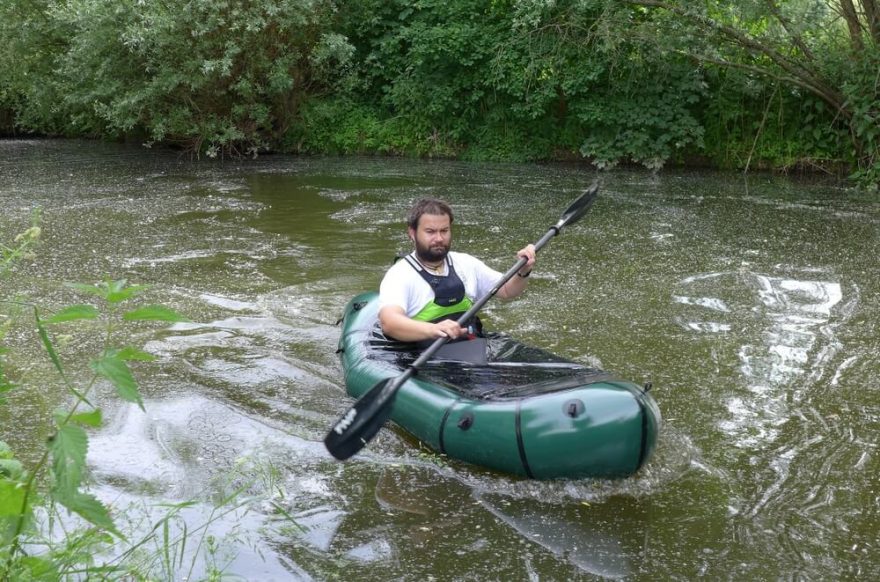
(450, 301)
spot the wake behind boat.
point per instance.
(522, 410)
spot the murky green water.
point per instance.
(752, 305)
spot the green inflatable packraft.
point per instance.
(515, 408)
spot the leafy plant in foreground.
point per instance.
(22, 245)
(56, 481)
(51, 527)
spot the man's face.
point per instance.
(433, 237)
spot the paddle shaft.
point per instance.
(468, 315)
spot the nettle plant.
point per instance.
(33, 499)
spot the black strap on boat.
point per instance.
(640, 398)
(443, 425)
(644, 450)
(519, 441)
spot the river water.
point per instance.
(751, 304)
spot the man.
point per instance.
(423, 294)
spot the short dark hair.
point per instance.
(427, 206)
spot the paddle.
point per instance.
(363, 420)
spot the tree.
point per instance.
(830, 49)
(210, 76)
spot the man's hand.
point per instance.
(396, 324)
(448, 328)
(527, 253)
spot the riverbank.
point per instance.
(809, 169)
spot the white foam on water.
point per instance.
(178, 444)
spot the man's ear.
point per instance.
(412, 234)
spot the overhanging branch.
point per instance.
(795, 72)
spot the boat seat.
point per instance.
(472, 351)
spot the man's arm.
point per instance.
(396, 324)
(517, 284)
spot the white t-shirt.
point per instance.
(405, 287)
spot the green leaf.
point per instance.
(154, 313)
(126, 293)
(39, 568)
(111, 291)
(53, 355)
(90, 509)
(118, 292)
(12, 496)
(72, 313)
(11, 468)
(68, 448)
(50, 348)
(92, 418)
(116, 370)
(70, 443)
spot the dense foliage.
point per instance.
(768, 83)
(208, 75)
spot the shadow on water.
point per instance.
(591, 541)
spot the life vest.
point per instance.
(450, 300)
(449, 296)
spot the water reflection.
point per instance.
(577, 536)
(179, 444)
(787, 339)
(415, 510)
(195, 451)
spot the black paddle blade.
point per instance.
(579, 207)
(360, 424)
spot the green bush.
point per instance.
(209, 76)
(343, 126)
(742, 85)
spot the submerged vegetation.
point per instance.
(759, 83)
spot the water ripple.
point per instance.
(788, 345)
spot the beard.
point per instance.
(431, 254)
